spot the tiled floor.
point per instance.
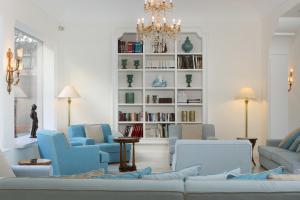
(156, 157)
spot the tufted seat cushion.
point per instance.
(267, 151)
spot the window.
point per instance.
(29, 89)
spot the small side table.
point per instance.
(124, 167)
(253, 142)
(33, 168)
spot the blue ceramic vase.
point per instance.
(187, 46)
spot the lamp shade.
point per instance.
(247, 93)
(68, 92)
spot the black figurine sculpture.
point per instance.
(35, 121)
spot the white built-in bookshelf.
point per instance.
(172, 67)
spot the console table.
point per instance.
(124, 167)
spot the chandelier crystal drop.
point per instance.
(159, 26)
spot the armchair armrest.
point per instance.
(89, 155)
(273, 142)
(82, 140)
(32, 170)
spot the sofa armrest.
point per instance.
(273, 142)
(82, 140)
(32, 170)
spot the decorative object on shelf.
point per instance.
(159, 82)
(192, 116)
(198, 61)
(246, 94)
(159, 45)
(129, 97)
(136, 63)
(129, 79)
(290, 79)
(35, 121)
(194, 101)
(184, 116)
(182, 97)
(165, 63)
(159, 117)
(130, 47)
(69, 92)
(159, 25)
(11, 68)
(187, 46)
(154, 99)
(188, 79)
(165, 100)
(124, 63)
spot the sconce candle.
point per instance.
(11, 68)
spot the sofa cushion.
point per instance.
(129, 175)
(94, 132)
(289, 139)
(267, 151)
(298, 149)
(295, 145)
(104, 157)
(284, 177)
(112, 147)
(288, 159)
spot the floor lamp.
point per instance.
(69, 93)
(246, 94)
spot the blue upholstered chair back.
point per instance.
(79, 131)
(54, 146)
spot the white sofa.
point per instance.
(66, 189)
(214, 156)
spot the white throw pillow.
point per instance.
(217, 177)
(181, 174)
(5, 169)
(94, 132)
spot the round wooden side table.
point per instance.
(253, 142)
(124, 167)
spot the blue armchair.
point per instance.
(69, 160)
(77, 135)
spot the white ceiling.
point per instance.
(85, 11)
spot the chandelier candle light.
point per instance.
(159, 25)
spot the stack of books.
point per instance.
(134, 131)
(160, 117)
(194, 101)
(130, 117)
(130, 47)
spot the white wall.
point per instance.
(34, 21)
(234, 61)
(294, 95)
(278, 87)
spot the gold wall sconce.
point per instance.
(14, 68)
(290, 79)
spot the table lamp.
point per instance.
(69, 92)
(246, 94)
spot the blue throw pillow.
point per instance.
(130, 175)
(289, 139)
(295, 145)
(259, 176)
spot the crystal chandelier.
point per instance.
(159, 27)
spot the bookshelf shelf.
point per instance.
(172, 67)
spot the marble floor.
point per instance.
(156, 157)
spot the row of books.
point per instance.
(189, 62)
(130, 47)
(130, 117)
(161, 131)
(134, 131)
(160, 117)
